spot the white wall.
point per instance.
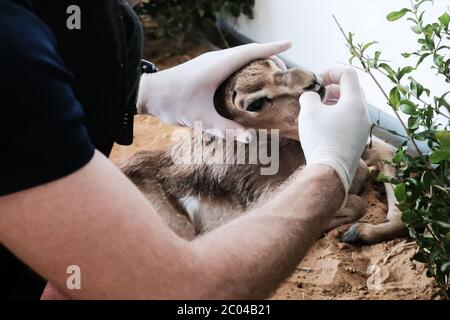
(318, 42)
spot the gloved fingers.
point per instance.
(363, 96)
(334, 75)
(235, 58)
(225, 128)
(256, 51)
(350, 88)
(280, 63)
(365, 106)
(309, 101)
(346, 79)
(332, 94)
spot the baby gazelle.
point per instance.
(196, 197)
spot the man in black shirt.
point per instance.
(62, 203)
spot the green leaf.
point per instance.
(417, 29)
(422, 58)
(394, 98)
(387, 68)
(367, 45)
(426, 179)
(442, 102)
(447, 241)
(376, 58)
(420, 257)
(429, 42)
(414, 122)
(428, 30)
(438, 60)
(442, 224)
(400, 192)
(421, 136)
(404, 71)
(407, 107)
(386, 179)
(445, 19)
(445, 267)
(434, 254)
(395, 15)
(350, 36)
(409, 217)
(440, 155)
(383, 178)
(406, 55)
(444, 138)
(377, 55)
(416, 88)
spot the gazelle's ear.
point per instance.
(220, 100)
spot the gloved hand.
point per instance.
(185, 94)
(335, 135)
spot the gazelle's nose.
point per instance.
(316, 86)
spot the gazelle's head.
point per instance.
(262, 96)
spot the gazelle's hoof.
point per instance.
(352, 235)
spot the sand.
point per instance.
(334, 270)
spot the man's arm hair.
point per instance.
(98, 220)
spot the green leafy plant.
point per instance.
(422, 182)
(178, 19)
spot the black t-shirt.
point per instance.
(45, 132)
(42, 134)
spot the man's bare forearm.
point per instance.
(249, 257)
(96, 219)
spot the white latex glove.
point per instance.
(185, 94)
(335, 135)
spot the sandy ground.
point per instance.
(334, 270)
(331, 270)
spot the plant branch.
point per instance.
(411, 93)
(423, 187)
(369, 72)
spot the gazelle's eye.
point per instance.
(256, 105)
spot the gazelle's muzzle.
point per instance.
(316, 86)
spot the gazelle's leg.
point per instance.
(393, 227)
(172, 216)
(361, 177)
(354, 209)
(142, 169)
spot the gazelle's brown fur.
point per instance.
(198, 197)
